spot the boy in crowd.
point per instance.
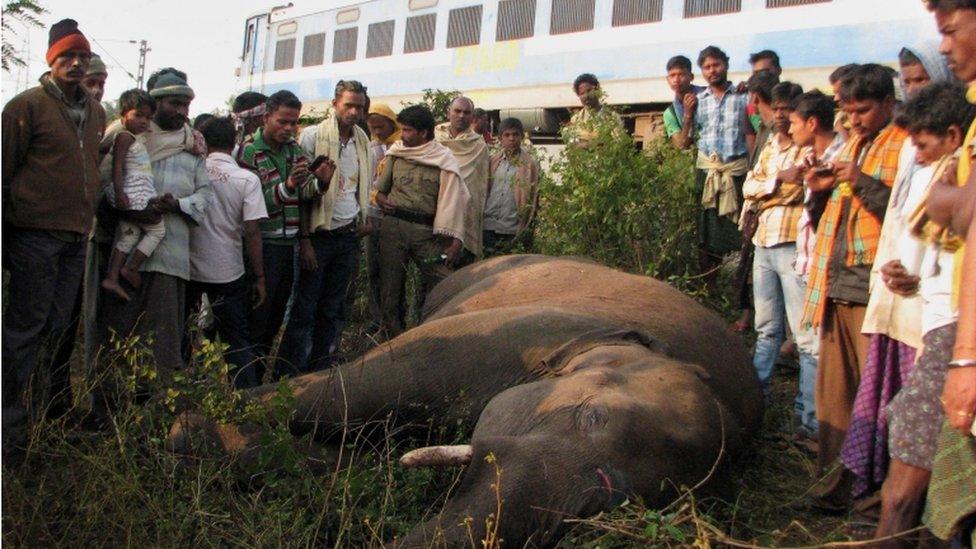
(580, 129)
(481, 125)
(775, 186)
(281, 165)
(847, 240)
(766, 60)
(218, 246)
(512, 190)
(679, 117)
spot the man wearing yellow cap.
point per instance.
(384, 131)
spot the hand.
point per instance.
(959, 398)
(364, 229)
(325, 171)
(690, 102)
(259, 291)
(897, 279)
(121, 201)
(792, 175)
(299, 175)
(847, 171)
(385, 204)
(166, 204)
(306, 255)
(818, 181)
(453, 252)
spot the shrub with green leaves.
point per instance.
(631, 209)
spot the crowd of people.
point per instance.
(849, 211)
(839, 206)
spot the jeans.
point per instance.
(279, 275)
(777, 289)
(46, 269)
(318, 305)
(231, 304)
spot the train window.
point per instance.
(516, 19)
(701, 8)
(247, 38)
(420, 33)
(344, 46)
(284, 54)
(313, 50)
(791, 3)
(571, 16)
(635, 12)
(379, 40)
(464, 27)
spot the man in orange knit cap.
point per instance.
(50, 140)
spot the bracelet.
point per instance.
(962, 363)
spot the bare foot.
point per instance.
(113, 287)
(132, 276)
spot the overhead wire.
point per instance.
(112, 57)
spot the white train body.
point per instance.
(466, 49)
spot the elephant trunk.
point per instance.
(438, 456)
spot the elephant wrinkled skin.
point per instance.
(587, 385)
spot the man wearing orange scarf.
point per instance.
(847, 240)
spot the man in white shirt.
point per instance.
(337, 203)
(217, 247)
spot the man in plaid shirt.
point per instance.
(775, 186)
(725, 137)
(847, 241)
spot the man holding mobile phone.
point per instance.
(274, 155)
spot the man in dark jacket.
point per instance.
(50, 180)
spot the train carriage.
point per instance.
(519, 57)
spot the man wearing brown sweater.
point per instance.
(50, 138)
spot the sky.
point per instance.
(201, 37)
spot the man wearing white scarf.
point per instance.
(337, 196)
(473, 157)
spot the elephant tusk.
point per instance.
(438, 456)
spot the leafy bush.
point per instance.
(438, 101)
(631, 209)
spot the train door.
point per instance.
(252, 58)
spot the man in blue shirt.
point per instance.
(725, 137)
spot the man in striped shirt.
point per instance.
(274, 155)
(775, 184)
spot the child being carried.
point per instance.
(132, 188)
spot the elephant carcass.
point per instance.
(586, 384)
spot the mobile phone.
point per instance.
(317, 162)
(823, 170)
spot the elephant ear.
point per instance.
(554, 362)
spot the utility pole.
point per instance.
(143, 49)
